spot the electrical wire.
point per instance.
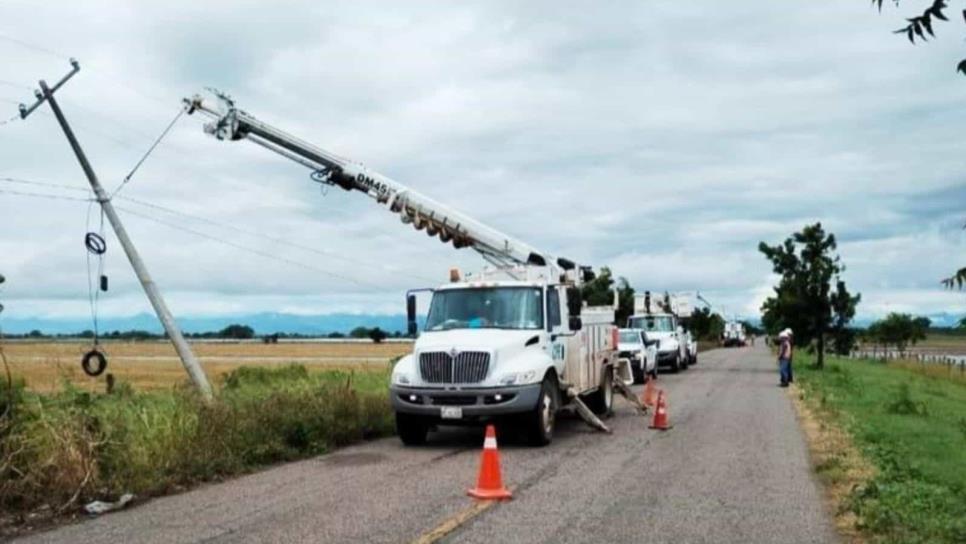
(268, 237)
(227, 226)
(48, 196)
(33, 47)
(148, 153)
(95, 247)
(246, 248)
(44, 184)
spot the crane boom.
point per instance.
(422, 212)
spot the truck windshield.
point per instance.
(630, 337)
(486, 308)
(653, 323)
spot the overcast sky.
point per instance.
(662, 139)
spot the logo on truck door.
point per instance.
(558, 351)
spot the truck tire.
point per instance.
(411, 429)
(539, 424)
(639, 374)
(601, 402)
(676, 363)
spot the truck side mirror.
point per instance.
(574, 302)
(575, 323)
(411, 314)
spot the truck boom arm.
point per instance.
(422, 212)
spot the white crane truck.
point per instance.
(659, 319)
(512, 342)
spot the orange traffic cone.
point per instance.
(660, 421)
(489, 485)
(647, 399)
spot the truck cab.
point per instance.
(635, 347)
(503, 349)
(669, 338)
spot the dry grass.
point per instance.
(935, 370)
(45, 366)
(837, 462)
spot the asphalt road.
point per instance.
(733, 469)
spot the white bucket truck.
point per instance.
(660, 324)
(513, 342)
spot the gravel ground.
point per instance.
(733, 469)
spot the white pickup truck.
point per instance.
(675, 347)
(642, 353)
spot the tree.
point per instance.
(899, 330)
(237, 332)
(920, 25)
(377, 335)
(359, 332)
(600, 292)
(706, 325)
(810, 297)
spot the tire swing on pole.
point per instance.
(94, 362)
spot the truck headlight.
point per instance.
(400, 378)
(519, 378)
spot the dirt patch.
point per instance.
(839, 464)
(353, 459)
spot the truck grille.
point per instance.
(467, 367)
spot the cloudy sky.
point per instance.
(663, 139)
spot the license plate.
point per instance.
(451, 412)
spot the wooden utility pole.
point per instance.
(188, 359)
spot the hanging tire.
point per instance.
(539, 424)
(601, 402)
(411, 429)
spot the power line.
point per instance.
(42, 195)
(268, 237)
(228, 226)
(32, 46)
(246, 248)
(44, 184)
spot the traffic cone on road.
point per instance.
(489, 485)
(660, 421)
(647, 399)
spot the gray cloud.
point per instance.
(664, 140)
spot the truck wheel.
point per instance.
(539, 424)
(601, 402)
(638, 374)
(411, 429)
(676, 363)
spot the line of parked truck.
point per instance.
(515, 342)
(657, 335)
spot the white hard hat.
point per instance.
(783, 334)
(788, 332)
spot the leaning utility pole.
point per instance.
(191, 364)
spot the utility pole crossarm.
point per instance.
(422, 212)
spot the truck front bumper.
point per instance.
(666, 358)
(476, 404)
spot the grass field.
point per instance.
(64, 440)
(910, 426)
(47, 366)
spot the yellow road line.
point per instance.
(454, 522)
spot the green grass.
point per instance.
(912, 428)
(60, 450)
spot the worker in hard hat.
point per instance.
(785, 357)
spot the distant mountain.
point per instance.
(263, 323)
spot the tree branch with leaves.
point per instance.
(922, 25)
